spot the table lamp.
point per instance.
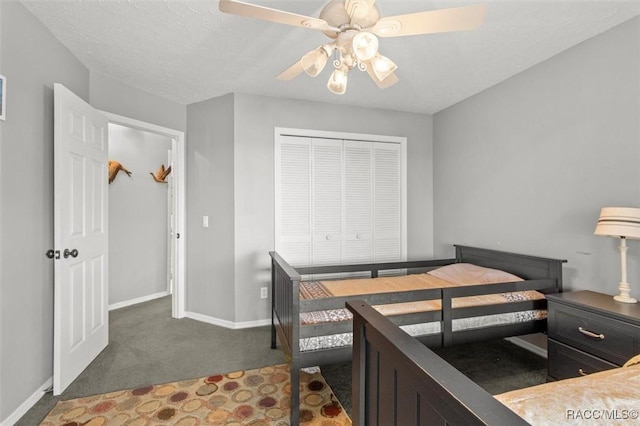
(621, 222)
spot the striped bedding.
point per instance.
(431, 280)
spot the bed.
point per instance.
(307, 313)
(399, 381)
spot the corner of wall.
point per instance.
(210, 179)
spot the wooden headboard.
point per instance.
(525, 266)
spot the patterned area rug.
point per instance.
(253, 397)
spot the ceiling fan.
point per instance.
(354, 27)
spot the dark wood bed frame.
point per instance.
(396, 380)
(541, 274)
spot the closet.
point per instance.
(339, 200)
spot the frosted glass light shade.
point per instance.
(365, 45)
(383, 67)
(314, 61)
(338, 81)
(619, 222)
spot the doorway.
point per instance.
(146, 217)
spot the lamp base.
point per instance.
(624, 289)
(624, 299)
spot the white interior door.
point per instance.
(81, 326)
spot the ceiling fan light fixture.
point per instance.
(338, 81)
(354, 26)
(382, 66)
(313, 62)
(365, 45)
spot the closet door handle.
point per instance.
(591, 333)
(328, 237)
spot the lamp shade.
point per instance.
(619, 222)
(338, 81)
(314, 61)
(383, 67)
(365, 45)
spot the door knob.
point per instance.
(72, 253)
(53, 254)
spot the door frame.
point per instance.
(179, 193)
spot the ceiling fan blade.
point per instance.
(432, 21)
(248, 10)
(292, 72)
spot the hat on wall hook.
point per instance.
(161, 174)
(114, 168)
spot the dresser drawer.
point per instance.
(566, 362)
(607, 338)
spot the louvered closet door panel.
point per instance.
(293, 218)
(358, 202)
(327, 166)
(387, 209)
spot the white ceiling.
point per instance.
(188, 51)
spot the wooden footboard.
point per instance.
(399, 381)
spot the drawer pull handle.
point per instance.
(590, 333)
(582, 373)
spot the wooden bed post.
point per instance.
(273, 303)
(447, 319)
(295, 352)
(358, 389)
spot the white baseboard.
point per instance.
(227, 324)
(528, 346)
(138, 300)
(26, 406)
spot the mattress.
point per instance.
(350, 287)
(605, 398)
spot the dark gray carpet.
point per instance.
(497, 366)
(147, 346)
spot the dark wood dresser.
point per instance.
(590, 332)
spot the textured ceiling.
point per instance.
(187, 51)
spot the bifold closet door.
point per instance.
(338, 201)
(293, 200)
(327, 168)
(387, 203)
(358, 202)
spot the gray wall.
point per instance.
(210, 183)
(527, 164)
(256, 118)
(116, 97)
(138, 217)
(32, 60)
(231, 159)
